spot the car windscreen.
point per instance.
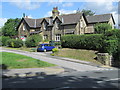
(39, 46)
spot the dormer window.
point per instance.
(81, 23)
(24, 27)
(44, 26)
(56, 25)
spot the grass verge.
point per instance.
(12, 60)
(22, 48)
(84, 55)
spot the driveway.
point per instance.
(58, 61)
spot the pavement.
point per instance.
(26, 72)
(64, 64)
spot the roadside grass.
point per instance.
(84, 55)
(12, 60)
(22, 48)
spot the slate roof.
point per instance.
(69, 19)
(98, 18)
(33, 23)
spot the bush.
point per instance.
(4, 40)
(91, 41)
(55, 50)
(15, 43)
(57, 43)
(114, 35)
(110, 46)
(101, 28)
(33, 40)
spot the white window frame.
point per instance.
(24, 27)
(45, 37)
(57, 37)
(44, 26)
(81, 23)
(56, 25)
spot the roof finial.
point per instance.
(78, 10)
(23, 14)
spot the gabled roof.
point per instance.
(33, 23)
(99, 18)
(70, 18)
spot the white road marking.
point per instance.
(108, 80)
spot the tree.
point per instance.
(10, 27)
(33, 40)
(101, 28)
(88, 12)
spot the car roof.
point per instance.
(44, 44)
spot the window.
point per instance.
(44, 26)
(45, 37)
(57, 37)
(24, 28)
(56, 25)
(81, 23)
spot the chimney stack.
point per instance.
(55, 12)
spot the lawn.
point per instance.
(22, 48)
(85, 55)
(12, 60)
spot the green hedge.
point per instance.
(101, 28)
(91, 41)
(15, 43)
(110, 46)
(114, 35)
(33, 40)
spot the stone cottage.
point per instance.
(52, 28)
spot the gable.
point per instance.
(71, 18)
(57, 19)
(99, 18)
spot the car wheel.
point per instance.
(45, 50)
(37, 50)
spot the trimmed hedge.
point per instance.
(110, 46)
(91, 41)
(15, 43)
(114, 35)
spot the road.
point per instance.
(78, 76)
(59, 62)
(77, 79)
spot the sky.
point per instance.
(43, 8)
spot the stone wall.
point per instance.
(105, 58)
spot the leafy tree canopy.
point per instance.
(10, 27)
(102, 27)
(88, 12)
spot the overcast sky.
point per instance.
(43, 8)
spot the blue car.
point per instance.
(45, 47)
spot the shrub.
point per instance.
(33, 40)
(102, 27)
(4, 40)
(114, 35)
(54, 50)
(110, 46)
(91, 41)
(15, 43)
(57, 43)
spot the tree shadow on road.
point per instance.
(56, 82)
